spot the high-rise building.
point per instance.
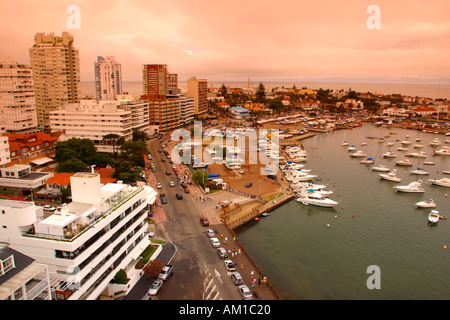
(17, 101)
(164, 113)
(108, 78)
(56, 73)
(172, 83)
(155, 78)
(198, 89)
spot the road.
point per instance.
(199, 273)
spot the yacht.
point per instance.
(358, 154)
(435, 142)
(420, 154)
(316, 199)
(368, 161)
(352, 148)
(389, 154)
(390, 143)
(391, 176)
(428, 203)
(419, 171)
(444, 182)
(405, 162)
(442, 152)
(433, 217)
(402, 149)
(381, 168)
(418, 146)
(413, 187)
(345, 143)
(405, 142)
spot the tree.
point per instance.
(261, 93)
(153, 268)
(124, 171)
(72, 165)
(200, 176)
(81, 149)
(139, 135)
(223, 92)
(121, 277)
(116, 141)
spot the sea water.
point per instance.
(309, 252)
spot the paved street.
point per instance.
(199, 273)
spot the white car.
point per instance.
(159, 185)
(172, 184)
(245, 292)
(210, 233)
(229, 265)
(215, 242)
(154, 288)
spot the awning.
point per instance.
(41, 161)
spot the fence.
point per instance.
(242, 193)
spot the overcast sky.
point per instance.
(315, 40)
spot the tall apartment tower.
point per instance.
(108, 78)
(155, 78)
(198, 89)
(56, 73)
(172, 83)
(17, 98)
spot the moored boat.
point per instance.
(427, 203)
(433, 217)
(413, 187)
(405, 162)
(443, 182)
(391, 176)
(313, 198)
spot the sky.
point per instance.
(277, 40)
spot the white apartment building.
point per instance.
(93, 119)
(108, 78)
(198, 89)
(86, 242)
(17, 101)
(5, 155)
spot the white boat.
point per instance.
(444, 182)
(420, 154)
(345, 143)
(413, 187)
(390, 143)
(358, 154)
(391, 176)
(199, 165)
(368, 161)
(405, 142)
(428, 203)
(442, 152)
(428, 162)
(433, 217)
(389, 154)
(316, 199)
(405, 162)
(420, 171)
(418, 146)
(435, 142)
(352, 148)
(402, 149)
(381, 168)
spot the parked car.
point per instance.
(163, 198)
(159, 185)
(159, 150)
(210, 233)
(229, 265)
(186, 190)
(245, 292)
(237, 278)
(168, 172)
(166, 272)
(153, 169)
(163, 160)
(204, 222)
(248, 185)
(222, 253)
(155, 287)
(215, 242)
(179, 196)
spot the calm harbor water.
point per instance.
(305, 259)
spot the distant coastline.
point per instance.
(420, 90)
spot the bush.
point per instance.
(121, 277)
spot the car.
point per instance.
(222, 253)
(49, 208)
(215, 242)
(229, 265)
(159, 150)
(149, 156)
(155, 287)
(174, 166)
(245, 292)
(166, 272)
(204, 222)
(248, 185)
(153, 169)
(172, 184)
(179, 196)
(159, 185)
(170, 161)
(163, 198)
(186, 190)
(236, 278)
(210, 232)
(163, 160)
(168, 172)
(183, 184)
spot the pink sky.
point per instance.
(235, 40)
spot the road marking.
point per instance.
(218, 276)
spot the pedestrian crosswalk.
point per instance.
(210, 289)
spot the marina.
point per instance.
(312, 252)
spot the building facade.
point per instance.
(56, 73)
(164, 112)
(155, 79)
(17, 98)
(93, 119)
(86, 242)
(108, 78)
(198, 89)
